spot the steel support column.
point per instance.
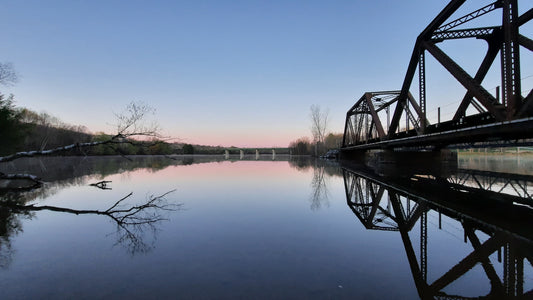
(510, 57)
(422, 88)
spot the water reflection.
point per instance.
(492, 209)
(248, 231)
(323, 170)
(10, 226)
(319, 188)
(136, 224)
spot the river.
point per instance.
(268, 228)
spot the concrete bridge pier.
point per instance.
(241, 154)
(273, 154)
(226, 154)
(256, 154)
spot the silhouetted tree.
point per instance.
(188, 149)
(301, 146)
(12, 131)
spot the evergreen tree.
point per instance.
(12, 130)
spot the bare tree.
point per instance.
(8, 76)
(319, 124)
(132, 121)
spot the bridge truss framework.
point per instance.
(507, 119)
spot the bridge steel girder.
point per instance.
(464, 34)
(368, 105)
(503, 39)
(492, 53)
(477, 13)
(413, 63)
(525, 42)
(484, 97)
(375, 117)
(510, 57)
(527, 108)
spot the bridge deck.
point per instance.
(500, 132)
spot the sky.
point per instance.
(229, 73)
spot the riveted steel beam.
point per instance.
(492, 52)
(375, 117)
(526, 42)
(484, 97)
(470, 16)
(463, 34)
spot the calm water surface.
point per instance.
(261, 229)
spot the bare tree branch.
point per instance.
(132, 121)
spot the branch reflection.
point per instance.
(132, 221)
(137, 224)
(496, 222)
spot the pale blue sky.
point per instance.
(240, 73)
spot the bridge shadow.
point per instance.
(493, 210)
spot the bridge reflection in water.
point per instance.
(494, 211)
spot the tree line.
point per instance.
(306, 146)
(22, 129)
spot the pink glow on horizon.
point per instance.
(241, 170)
(221, 138)
(240, 140)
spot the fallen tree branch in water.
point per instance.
(101, 184)
(36, 181)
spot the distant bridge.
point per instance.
(373, 122)
(257, 152)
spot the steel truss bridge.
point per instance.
(499, 233)
(374, 121)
